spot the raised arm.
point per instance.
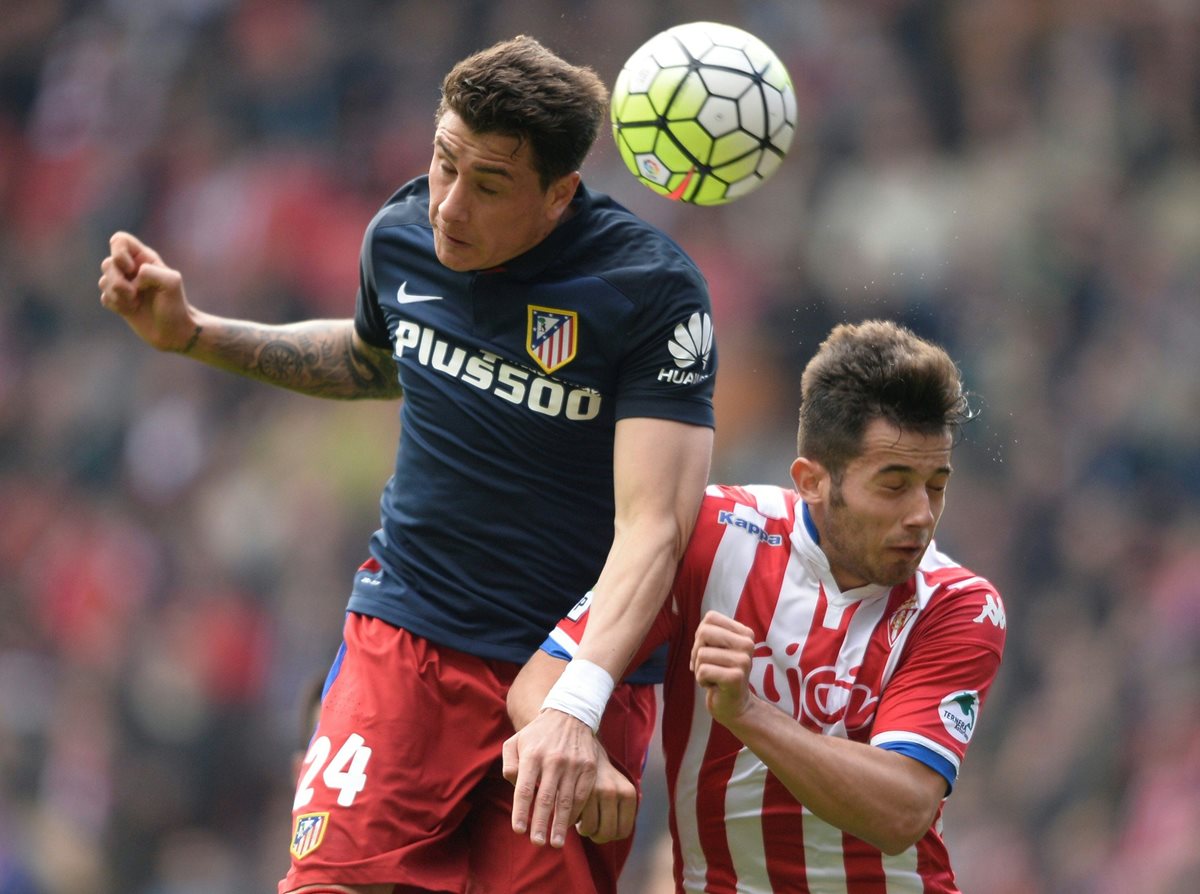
(660, 470)
(323, 358)
(882, 797)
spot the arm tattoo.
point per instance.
(191, 342)
(321, 358)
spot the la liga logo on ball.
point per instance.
(703, 113)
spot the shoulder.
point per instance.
(955, 595)
(762, 510)
(406, 206)
(769, 500)
(629, 251)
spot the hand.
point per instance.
(611, 808)
(722, 655)
(552, 762)
(146, 293)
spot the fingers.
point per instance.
(116, 289)
(610, 812)
(555, 798)
(552, 765)
(568, 803)
(156, 276)
(508, 759)
(117, 272)
(130, 268)
(591, 820)
(718, 632)
(538, 795)
(129, 253)
(722, 658)
(529, 783)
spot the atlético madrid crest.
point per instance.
(308, 833)
(551, 336)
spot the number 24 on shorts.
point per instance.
(345, 774)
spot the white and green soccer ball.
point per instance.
(703, 113)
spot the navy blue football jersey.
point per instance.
(498, 516)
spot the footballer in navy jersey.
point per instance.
(513, 380)
(555, 359)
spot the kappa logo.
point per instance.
(959, 712)
(725, 517)
(993, 610)
(690, 346)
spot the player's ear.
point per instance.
(811, 479)
(560, 193)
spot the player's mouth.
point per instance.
(451, 239)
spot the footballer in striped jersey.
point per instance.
(827, 663)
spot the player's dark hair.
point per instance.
(875, 370)
(519, 88)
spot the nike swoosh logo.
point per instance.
(404, 297)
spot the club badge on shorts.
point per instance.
(308, 833)
(551, 336)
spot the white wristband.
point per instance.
(582, 691)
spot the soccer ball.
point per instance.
(703, 113)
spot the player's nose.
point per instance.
(455, 204)
(919, 510)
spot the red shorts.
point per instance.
(402, 781)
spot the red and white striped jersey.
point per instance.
(905, 668)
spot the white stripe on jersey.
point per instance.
(901, 871)
(733, 559)
(825, 867)
(794, 611)
(743, 823)
(858, 634)
(772, 502)
(823, 862)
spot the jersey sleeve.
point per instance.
(931, 706)
(369, 321)
(563, 641)
(670, 363)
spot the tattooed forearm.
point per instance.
(322, 358)
(191, 342)
(281, 362)
(373, 371)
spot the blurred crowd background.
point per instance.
(1019, 180)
